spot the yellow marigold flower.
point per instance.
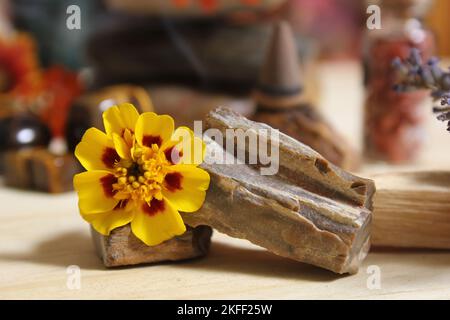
(141, 171)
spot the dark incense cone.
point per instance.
(281, 104)
(280, 84)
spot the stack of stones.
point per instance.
(191, 56)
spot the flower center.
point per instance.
(142, 177)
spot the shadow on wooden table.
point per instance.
(253, 261)
(73, 248)
(76, 248)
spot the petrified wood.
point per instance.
(412, 210)
(122, 248)
(310, 211)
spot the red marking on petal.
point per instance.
(110, 157)
(173, 181)
(107, 184)
(148, 141)
(154, 207)
(172, 155)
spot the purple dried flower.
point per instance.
(413, 74)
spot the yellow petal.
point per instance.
(118, 118)
(153, 129)
(122, 148)
(157, 222)
(96, 151)
(184, 147)
(105, 222)
(185, 187)
(95, 192)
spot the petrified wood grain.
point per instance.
(310, 211)
(122, 248)
(412, 210)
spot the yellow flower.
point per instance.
(141, 172)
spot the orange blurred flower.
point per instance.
(19, 67)
(58, 89)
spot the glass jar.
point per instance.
(393, 121)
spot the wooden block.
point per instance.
(122, 248)
(412, 210)
(310, 211)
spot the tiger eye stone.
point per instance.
(38, 169)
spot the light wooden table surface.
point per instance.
(42, 235)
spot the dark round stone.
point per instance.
(25, 130)
(4, 131)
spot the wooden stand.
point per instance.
(412, 210)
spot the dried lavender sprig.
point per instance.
(445, 100)
(413, 75)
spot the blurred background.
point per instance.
(63, 62)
